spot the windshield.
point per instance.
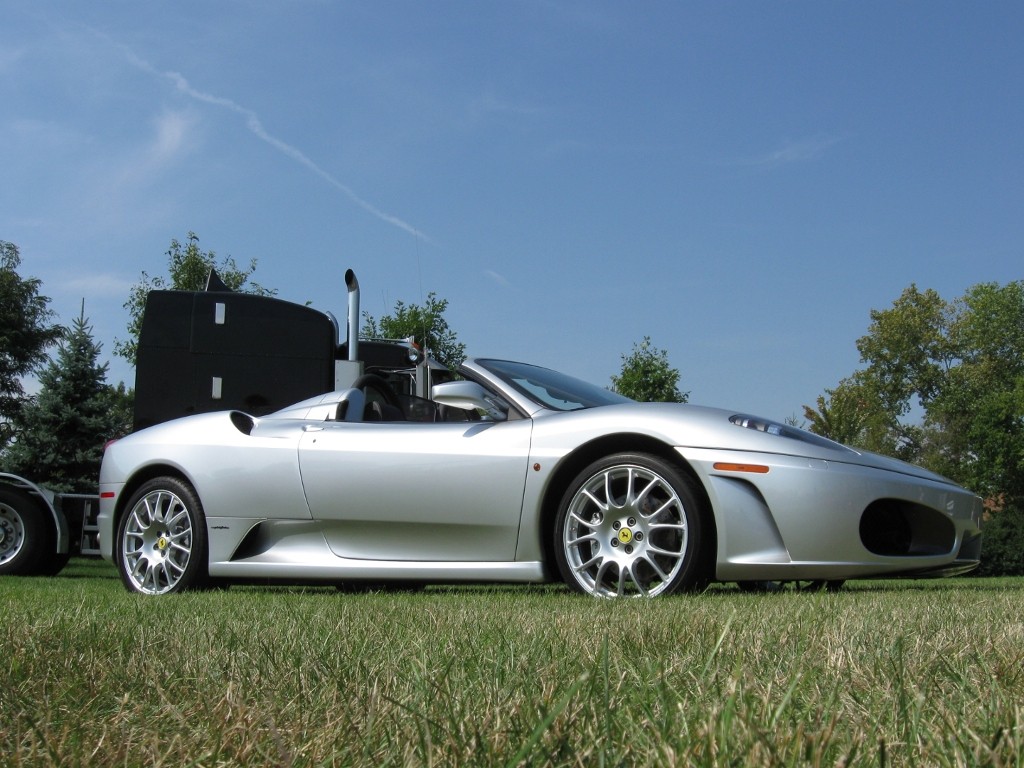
(550, 388)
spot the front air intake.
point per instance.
(895, 528)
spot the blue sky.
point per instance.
(741, 181)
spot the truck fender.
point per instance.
(60, 524)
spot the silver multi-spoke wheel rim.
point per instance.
(625, 533)
(12, 533)
(157, 543)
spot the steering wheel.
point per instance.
(371, 382)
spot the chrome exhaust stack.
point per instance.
(353, 314)
(348, 370)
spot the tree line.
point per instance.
(942, 383)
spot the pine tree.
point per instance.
(26, 331)
(60, 435)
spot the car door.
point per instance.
(417, 491)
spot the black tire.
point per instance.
(23, 532)
(53, 563)
(161, 544)
(630, 525)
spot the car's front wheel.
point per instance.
(629, 525)
(161, 539)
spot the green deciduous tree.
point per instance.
(60, 435)
(840, 415)
(647, 377)
(853, 414)
(425, 323)
(943, 386)
(26, 330)
(188, 269)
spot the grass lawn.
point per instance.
(927, 673)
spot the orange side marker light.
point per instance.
(757, 469)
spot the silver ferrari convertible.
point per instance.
(515, 473)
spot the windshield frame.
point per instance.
(547, 388)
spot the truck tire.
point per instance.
(23, 533)
(52, 562)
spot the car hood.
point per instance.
(694, 426)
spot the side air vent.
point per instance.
(894, 528)
(243, 422)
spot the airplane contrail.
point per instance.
(255, 125)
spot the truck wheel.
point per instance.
(22, 532)
(53, 563)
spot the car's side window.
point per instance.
(419, 410)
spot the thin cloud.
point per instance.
(255, 125)
(171, 130)
(171, 133)
(801, 151)
(497, 277)
(111, 189)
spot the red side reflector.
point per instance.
(757, 469)
(107, 495)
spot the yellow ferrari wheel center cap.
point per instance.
(161, 543)
(625, 535)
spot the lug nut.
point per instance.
(629, 549)
(631, 522)
(616, 525)
(639, 536)
(615, 542)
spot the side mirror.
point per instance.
(468, 395)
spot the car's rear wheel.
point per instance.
(161, 539)
(629, 525)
